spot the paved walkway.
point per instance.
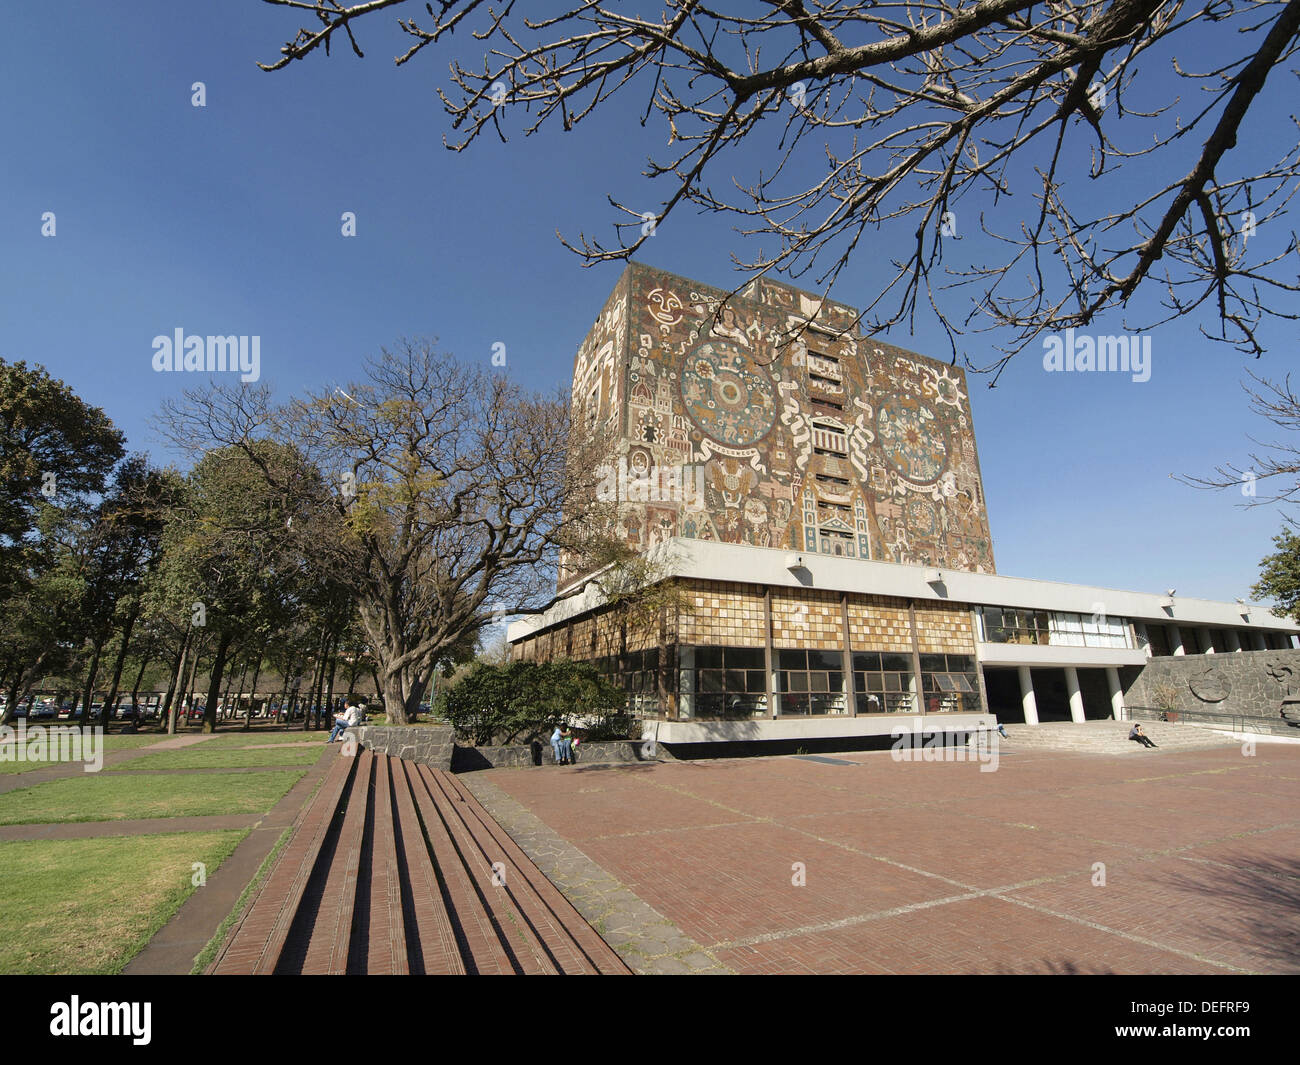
(1139, 862)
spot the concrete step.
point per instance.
(1111, 737)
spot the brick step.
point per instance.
(395, 868)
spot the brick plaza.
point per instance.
(1177, 862)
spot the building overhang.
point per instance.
(1055, 656)
(742, 563)
(811, 728)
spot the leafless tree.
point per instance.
(1276, 463)
(440, 495)
(1058, 131)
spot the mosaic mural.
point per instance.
(806, 440)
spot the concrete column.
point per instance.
(1234, 641)
(1257, 638)
(1076, 696)
(1027, 699)
(1144, 638)
(1207, 638)
(1176, 640)
(1116, 693)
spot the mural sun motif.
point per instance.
(912, 440)
(727, 394)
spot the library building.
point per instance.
(812, 505)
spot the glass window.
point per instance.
(793, 659)
(708, 658)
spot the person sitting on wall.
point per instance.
(350, 718)
(1138, 736)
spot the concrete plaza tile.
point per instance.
(1227, 919)
(728, 883)
(594, 805)
(970, 936)
(972, 851)
(1121, 818)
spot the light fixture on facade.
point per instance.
(933, 576)
(1168, 604)
(1245, 609)
(793, 562)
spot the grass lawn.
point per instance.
(203, 756)
(256, 737)
(90, 905)
(115, 797)
(110, 743)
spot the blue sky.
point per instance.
(226, 219)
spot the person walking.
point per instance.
(566, 746)
(557, 745)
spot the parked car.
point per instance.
(42, 712)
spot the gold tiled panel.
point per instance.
(945, 629)
(807, 618)
(721, 613)
(878, 623)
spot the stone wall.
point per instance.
(540, 754)
(1252, 683)
(434, 746)
(430, 745)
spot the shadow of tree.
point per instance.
(1264, 891)
(1064, 967)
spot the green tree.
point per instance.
(54, 449)
(1280, 576)
(437, 493)
(227, 557)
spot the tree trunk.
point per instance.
(328, 708)
(90, 677)
(214, 682)
(188, 701)
(135, 688)
(248, 661)
(174, 701)
(110, 700)
(317, 669)
(11, 703)
(400, 701)
(252, 693)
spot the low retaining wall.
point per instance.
(540, 754)
(436, 747)
(429, 746)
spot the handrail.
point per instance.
(1238, 722)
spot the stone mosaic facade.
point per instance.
(762, 425)
(1252, 683)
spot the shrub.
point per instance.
(499, 704)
